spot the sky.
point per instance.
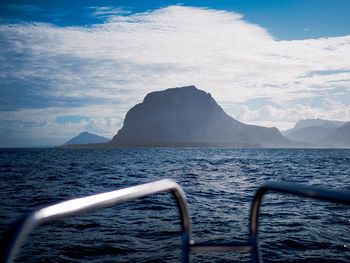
(73, 66)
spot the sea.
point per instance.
(219, 184)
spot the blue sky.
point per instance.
(70, 66)
(298, 19)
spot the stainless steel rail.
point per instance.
(11, 243)
(287, 188)
(17, 235)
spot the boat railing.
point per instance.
(12, 241)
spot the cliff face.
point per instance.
(189, 117)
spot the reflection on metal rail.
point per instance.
(11, 243)
(287, 188)
(21, 229)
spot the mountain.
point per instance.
(313, 131)
(86, 138)
(312, 135)
(318, 122)
(339, 138)
(313, 123)
(186, 116)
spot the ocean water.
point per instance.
(219, 185)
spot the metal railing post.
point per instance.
(12, 242)
(17, 234)
(287, 188)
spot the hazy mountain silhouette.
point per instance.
(189, 117)
(313, 123)
(316, 132)
(339, 138)
(86, 138)
(318, 122)
(312, 135)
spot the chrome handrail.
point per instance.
(287, 188)
(17, 235)
(84, 204)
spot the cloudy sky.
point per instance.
(73, 66)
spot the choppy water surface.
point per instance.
(219, 184)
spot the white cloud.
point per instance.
(106, 11)
(270, 115)
(105, 69)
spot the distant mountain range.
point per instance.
(320, 133)
(86, 138)
(340, 137)
(188, 117)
